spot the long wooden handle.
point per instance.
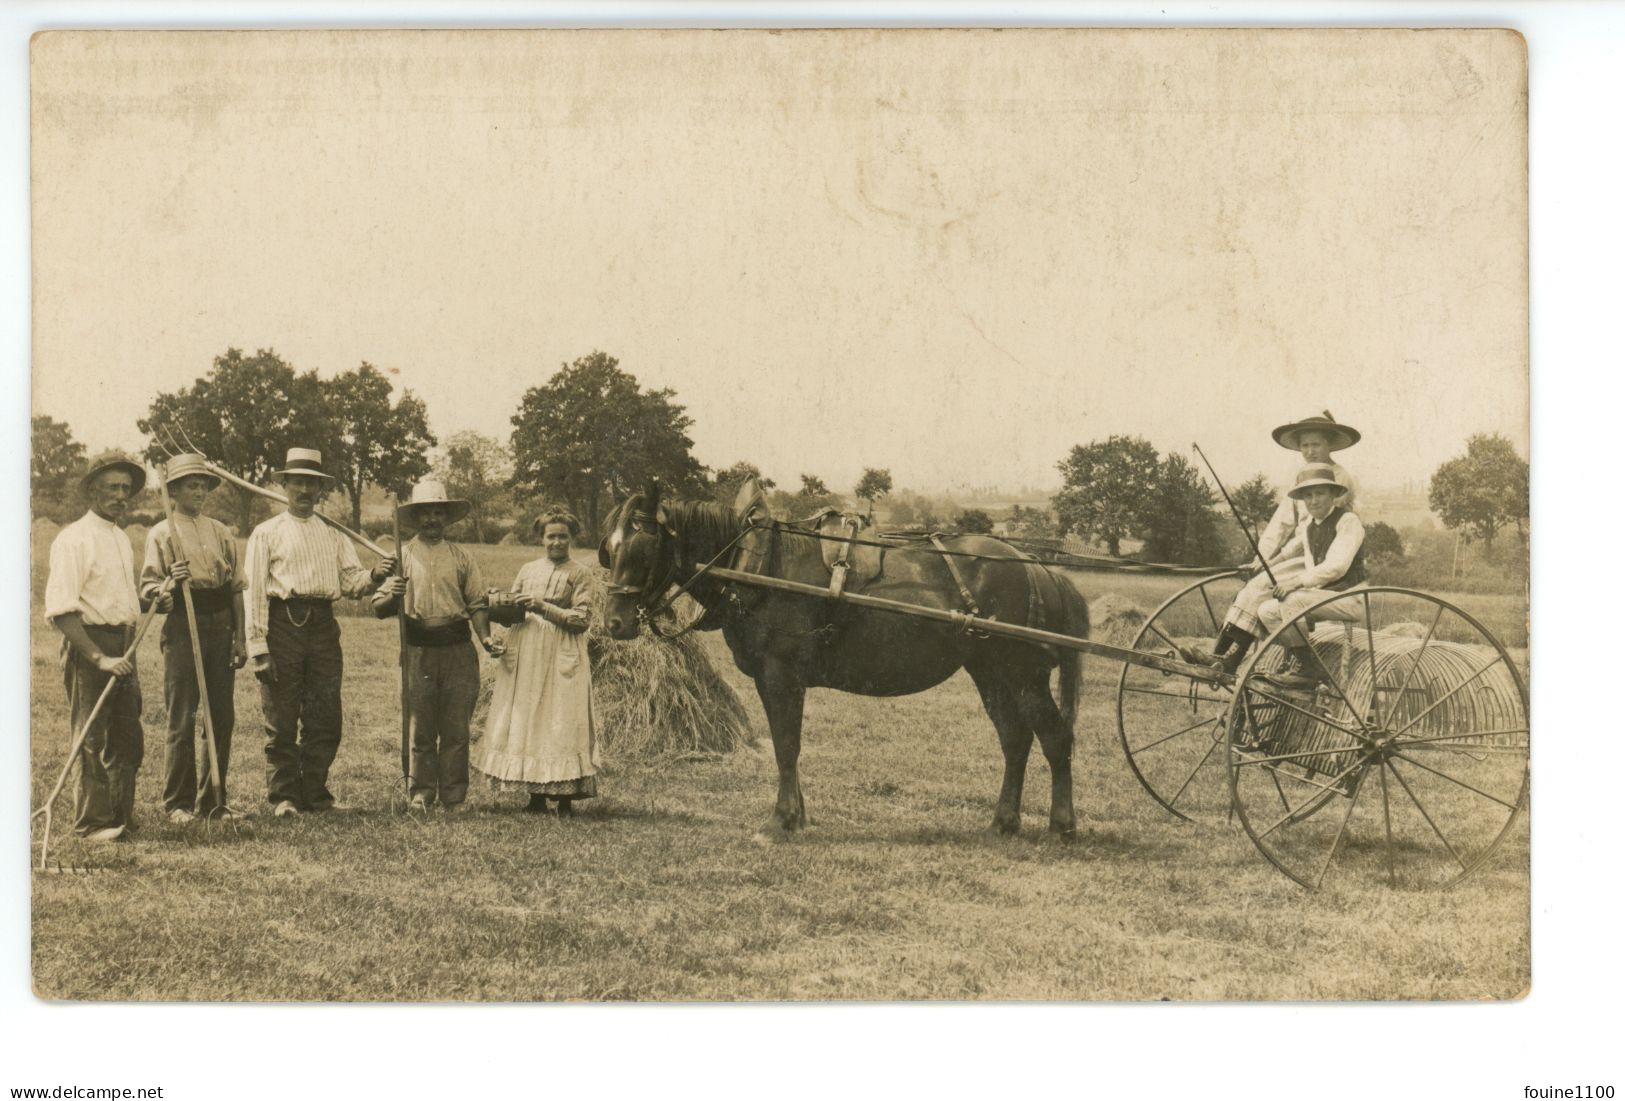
(281, 499)
(197, 647)
(400, 619)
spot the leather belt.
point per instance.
(445, 631)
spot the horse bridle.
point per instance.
(652, 589)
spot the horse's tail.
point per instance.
(1077, 625)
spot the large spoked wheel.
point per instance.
(1172, 727)
(1401, 715)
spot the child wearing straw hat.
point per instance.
(440, 594)
(91, 598)
(1321, 556)
(199, 549)
(1314, 439)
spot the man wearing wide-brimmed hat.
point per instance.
(1314, 439)
(443, 595)
(91, 598)
(200, 550)
(295, 567)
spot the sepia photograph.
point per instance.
(780, 515)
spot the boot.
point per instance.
(1301, 673)
(537, 805)
(565, 810)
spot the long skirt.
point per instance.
(540, 736)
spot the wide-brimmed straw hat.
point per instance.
(1315, 474)
(433, 492)
(303, 460)
(189, 466)
(1340, 435)
(114, 460)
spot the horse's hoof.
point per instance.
(1063, 831)
(1005, 827)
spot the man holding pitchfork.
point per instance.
(91, 598)
(199, 553)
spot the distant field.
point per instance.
(665, 889)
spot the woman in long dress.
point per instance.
(539, 736)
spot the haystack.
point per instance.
(1115, 620)
(509, 540)
(655, 699)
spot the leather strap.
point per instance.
(959, 579)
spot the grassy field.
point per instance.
(666, 887)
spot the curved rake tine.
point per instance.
(190, 446)
(173, 442)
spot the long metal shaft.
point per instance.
(965, 621)
(1245, 530)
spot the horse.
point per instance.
(788, 642)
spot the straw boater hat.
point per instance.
(114, 460)
(1340, 435)
(189, 466)
(432, 492)
(1315, 474)
(303, 460)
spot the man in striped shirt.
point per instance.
(296, 566)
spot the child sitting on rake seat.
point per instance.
(1322, 558)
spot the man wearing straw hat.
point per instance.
(199, 549)
(442, 593)
(295, 567)
(91, 598)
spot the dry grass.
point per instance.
(664, 888)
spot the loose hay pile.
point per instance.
(1115, 620)
(653, 698)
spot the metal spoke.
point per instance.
(1416, 660)
(1175, 734)
(1279, 790)
(1478, 752)
(1330, 785)
(1342, 827)
(1176, 695)
(1387, 824)
(1194, 771)
(1482, 669)
(1425, 815)
(1165, 638)
(1419, 742)
(1213, 619)
(1371, 659)
(1331, 680)
(1458, 783)
(1295, 756)
(1284, 702)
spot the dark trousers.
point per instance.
(104, 795)
(442, 683)
(186, 751)
(303, 715)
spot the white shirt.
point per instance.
(290, 557)
(1292, 515)
(93, 573)
(1339, 556)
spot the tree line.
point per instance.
(591, 434)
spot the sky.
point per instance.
(950, 254)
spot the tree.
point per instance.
(1177, 517)
(1383, 546)
(245, 414)
(973, 521)
(1256, 500)
(725, 485)
(1031, 523)
(57, 461)
(814, 495)
(874, 485)
(378, 444)
(1484, 490)
(1104, 488)
(476, 468)
(591, 434)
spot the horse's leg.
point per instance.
(782, 698)
(1038, 711)
(1015, 738)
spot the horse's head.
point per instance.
(640, 554)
